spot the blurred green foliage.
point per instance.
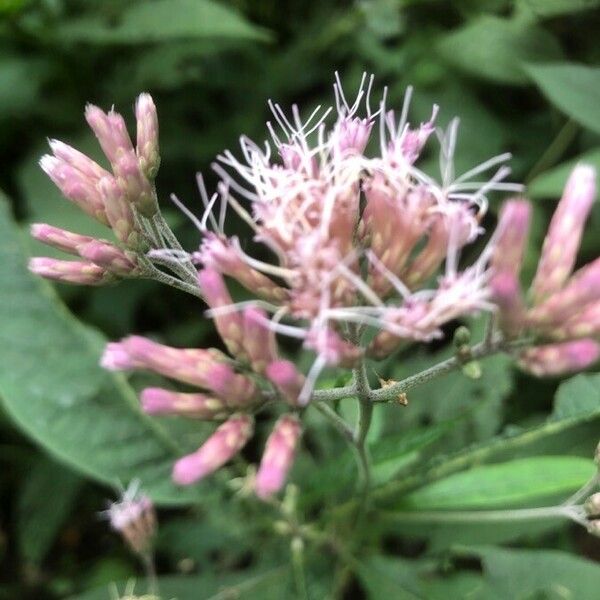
(522, 75)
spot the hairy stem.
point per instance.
(365, 414)
(335, 419)
(391, 392)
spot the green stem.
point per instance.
(335, 419)
(298, 568)
(390, 393)
(365, 415)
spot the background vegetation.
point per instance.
(523, 76)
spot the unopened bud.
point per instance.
(592, 505)
(462, 336)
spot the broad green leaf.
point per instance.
(519, 482)
(268, 585)
(550, 184)
(542, 9)
(572, 88)
(577, 397)
(401, 579)
(52, 387)
(162, 21)
(38, 520)
(493, 48)
(532, 574)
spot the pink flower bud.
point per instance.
(584, 324)
(513, 226)
(395, 221)
(564, 234)
(278, 456)
(583, 288)
(75, 186)
(229, 325)
(119, 212)
(116, 358)
(109, 257)
(218, 253)
(506, 294)
(351, 135)
(158, 401)
(147, 135)
(134, 184)
(556, 359)
(287, 378)
(412, 140)
(69, 271)
(199, 367)
(77, 160)
(59, 238)
(429, 259)
(219, 448)
(111, 131)
(259, 342)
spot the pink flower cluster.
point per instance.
(564, 307)
(117, 199)
(355, 239)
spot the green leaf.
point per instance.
(391, 456)
(38, 520)
(521, 482)
(530, 574)
(542, 9)
(162, 21)
(572, 88)
(269, 585)
(52, 387)
(577, 397)
(492, 48)
(550, 184)
(400, 579)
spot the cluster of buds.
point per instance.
(122, 199)
(134, 518)
(563, 308)
(358, 240)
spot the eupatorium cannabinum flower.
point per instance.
(563, 307)
(357, 238)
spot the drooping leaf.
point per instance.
(493, 48)
(521, 482)
(162, 21)
(52, 387)
(572, 88)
